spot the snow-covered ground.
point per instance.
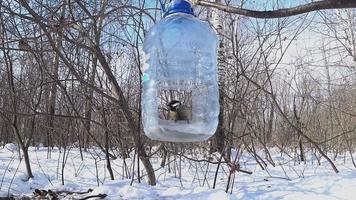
(287, 180)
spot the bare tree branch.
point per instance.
(284, 12)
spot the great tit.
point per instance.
(176, 111)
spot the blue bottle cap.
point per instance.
(179, 6)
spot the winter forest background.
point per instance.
(70, 101)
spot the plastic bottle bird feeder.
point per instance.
(180, 100)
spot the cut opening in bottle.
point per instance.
(175, 105)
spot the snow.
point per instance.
(11, 147)
(287, 180)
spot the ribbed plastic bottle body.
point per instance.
(180, 65)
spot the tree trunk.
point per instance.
(147, 164)
(301, 151)
(218, 141)
(108, 163)
(27, 162)
(14, 120)
(53, 86)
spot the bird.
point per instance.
(177, 111)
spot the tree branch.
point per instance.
(284, 12)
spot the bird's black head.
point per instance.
(173, 105)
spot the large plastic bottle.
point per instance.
(180, 100)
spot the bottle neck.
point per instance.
(179, 13)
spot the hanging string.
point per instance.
(162, 6)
